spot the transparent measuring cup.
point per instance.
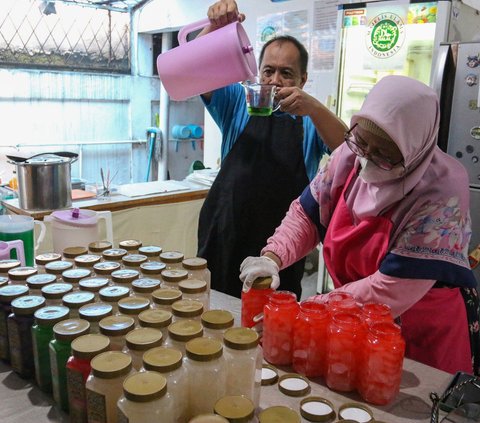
(260, 98)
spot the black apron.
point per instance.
(259, 178)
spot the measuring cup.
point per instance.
(260, 98)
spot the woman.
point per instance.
(392, 212)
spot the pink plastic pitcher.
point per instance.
(206, 63)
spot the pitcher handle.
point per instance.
(42, 232)
(107, 216)
(19, 248)
(187, 29)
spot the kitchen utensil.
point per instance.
(212, 61)
(260, 98)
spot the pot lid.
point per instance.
(76, 217)
(46, 159)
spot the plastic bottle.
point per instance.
(133, 306)
(197, 269)
(187, 309)
(163, 298)
(179, 333)
(140, 340)
(157, 319)
(195, 289)
(116, 327)
(93, 313)
(171, 277)
(216, 322)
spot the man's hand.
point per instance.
(295, 101)
(224, 12)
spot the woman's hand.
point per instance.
(258, 267)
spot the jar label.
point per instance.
(3, 335)
(122, 418)
(76, 396)
(96, 407)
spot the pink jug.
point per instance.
(17, 245)
(206, 63)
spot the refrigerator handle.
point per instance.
(440, 66)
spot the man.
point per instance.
(266, 161)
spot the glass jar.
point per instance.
(106, 268)
(146, 399)
(104, 385)
(19, 275)
(57, 267)
(87, 261)
(35, 283)
(78, 367)
(345, 335)
(93, 285)
(19, 325)
(254, 300)
(144, 287)
(140, 340)
(98, 247)
(133, 261)
(42, 333)
(7, 265)
(244, 363)
(206, 373)
(310, 339)
(131, 245)
(125, 277)
(133, 306)
(152, 268)
(376, 312)
(342, 302)
(7, 294)
(195, 289)
(187, 309)
(74, 276)
(179, 333)
(278, 323)
(64, 333)
(113, 294)
(171, 277)
(216, 322)
(197, 269)
(93, 313)
(163, 298)
(169, 362)
(54, 292)
(172, 259)
(151, 251)
(380, 374)
(70, 253)
(235, 408)
(156, 318)
(116, 327)
(114, 254)
(75, 300)
(43, 259)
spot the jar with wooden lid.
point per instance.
(42, 259)
(94, 285)
(19, 326)
(113, 294)
(169, 362)
(104, 385)
(187, 309)
(74, 276)
(57, 267)
(156, 318)
(35, 283)
(278, 413)
(75, 300)
(106, 268)
(133, 261)
(131, 245)
(244, 357)
(54, 292)
(144, 287)
(98, 247)
(7, 294)
(208, 418)
(8, 264)
(171, 277)
(19, 275)
(93, 313)
(87, 261)
(151, 251)
(125, 277)
(70, 253)
(42, 333)
(237, 408)
(195, 289)
(116, 327)
(152, 268)
(255, 300)
(216, 322)
(163, 298)
(179, 333)
(140, 340)
(114, 254)
(64, 333)
(206, 373)
(146, 398)
(197, 269)
(133, 306)
(172, 259)
(84, 349)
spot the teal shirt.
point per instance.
(228, 109)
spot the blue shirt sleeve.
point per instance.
(313, 147)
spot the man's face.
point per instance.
(281, 66)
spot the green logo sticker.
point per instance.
(385, 35)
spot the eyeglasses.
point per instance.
(361, 150)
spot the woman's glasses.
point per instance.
(360, 149)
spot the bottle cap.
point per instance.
(187, 309)
(235, 408)
(114, 254)
(145, 285)
(217, 319)
(124, 275)
(94, 312)
(185, 330)
(293, 385)
(21, 273)
(43, 259)
(50, 315)
(99, 246)
(166, 296)
(317, 409)
(58, 267)
(106, 267)
(278, 413)
(74, 275)
(68, 330)
(155, 318)
(130, 244)
(87, 260)
(356, 412)
(55, 291)
(240, 338)
(75, 300)
(3, 281)
(133, 305)
(152, 267)
(150, 250)
(9, 292)
(208, 418)
(72, 252)
(112, 294)
(192, 286)
(269, 375)
(27, 305)
(163, 360)
(116, 325)
(194, 263)
(174, 275)
(262, 283)
(6, 265)
(111, 364)
(39, 281)
(171, 257)
(144, 386)
(86, 347)
(203, 349)
(142, 339)
(134, 260)
(94, 284)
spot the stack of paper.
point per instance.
(203, 176)
(154, 187)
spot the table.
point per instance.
(23, 402)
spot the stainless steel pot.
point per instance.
(44, 180)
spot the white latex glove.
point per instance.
(258, 267)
